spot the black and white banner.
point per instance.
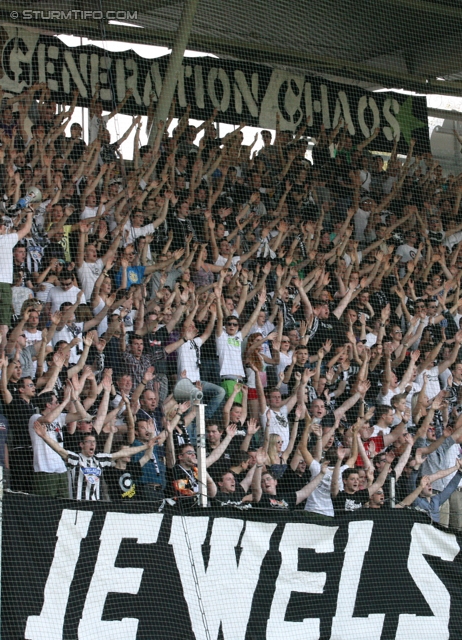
(242, 91)
(95, 572)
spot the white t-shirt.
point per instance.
(91, 212)
(102, 327)
(230, 354)
(371, 339)
(285, 360)
(450, 242)
(45, 459)
(96, 124)
(347, 257)
(67, 334)
(433, 382)
(56, 297)
(7, 242)
(278, 424)
(88, 274)
(406, 252)
(136, 232)
(32, 337)
(221, 261)
(361, 218)
(384, 431)
(187, 359)
(44, 290)
(320, 500)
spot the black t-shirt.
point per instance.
(19, 412)
(153, 341)
(327, 329)
(77, 150)
(209, 347)
(231, 498)
(221, 465)
(298, 368)
(182, 482)
(291, 482)
(121, 483)
(346, 502)
(281, 500)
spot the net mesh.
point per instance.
(229, 321)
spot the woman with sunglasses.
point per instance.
(276, 459)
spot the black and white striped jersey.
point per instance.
(87, 474)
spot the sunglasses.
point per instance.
(232, 324)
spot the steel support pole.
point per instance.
(174, 65)
(201, 454)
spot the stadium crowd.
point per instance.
(316, 304)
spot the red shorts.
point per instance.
(252, 395)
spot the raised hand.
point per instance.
(425, 482)
(149, 375)
(341, 452)
(252, 427)
(231, 430)
(40, 429)
(260, 457)
(389, 457)
(419, 456)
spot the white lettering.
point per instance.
(431, 542)
(221, 75)
(132, 80)
(395, 130)
(73, 527)
(308, 104)
(241, 89)
(295, 537)
(94, 72)
(120, 79)
(75, 74)
(105, 92)
(222, 571)
(41, 63)
(199, 86)
(325, 107)
(363, 103)
(108, 578)
(270, 103)
(342, 109)
(344, 625)
(157, 78)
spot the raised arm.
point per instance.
(308, 489)
(41, 430)
(219, 451)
